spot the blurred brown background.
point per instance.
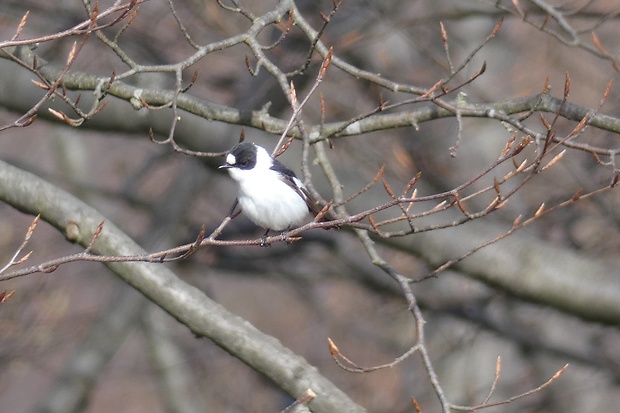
(324, 286)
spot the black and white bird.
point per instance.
(270, 194)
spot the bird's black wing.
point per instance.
(288, 177)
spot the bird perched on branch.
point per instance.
(270, 194)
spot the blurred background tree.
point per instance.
(491, 232)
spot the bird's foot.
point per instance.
(284, 237)
(289, 240)
(263, 240)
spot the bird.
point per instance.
(269, 193)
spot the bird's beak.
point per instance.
(225, 166)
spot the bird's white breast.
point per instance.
(267, 200)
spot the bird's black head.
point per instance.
(242, 156)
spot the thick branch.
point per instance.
(528, 268)
(184, 302)
(110, 119)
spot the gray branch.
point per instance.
(528, 268)
(16, 82)
(184, 302)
